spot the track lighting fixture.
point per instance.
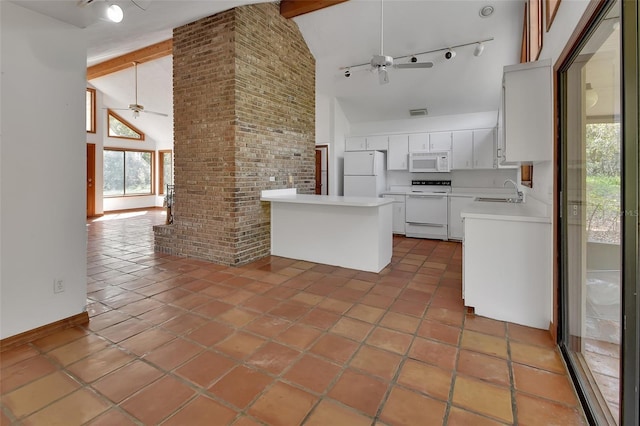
(412, 61)
(479, 49)
(104, 10)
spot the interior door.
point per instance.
(318, 172)
(91, 178)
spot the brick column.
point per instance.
(244, 111)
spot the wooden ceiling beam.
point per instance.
(292, 8)
(146, 54)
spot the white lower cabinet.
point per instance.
(398, 212)
(456, 205)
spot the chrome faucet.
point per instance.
(519, 194)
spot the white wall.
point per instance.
(341, 129)
(42, 169)
(554, 42)
(427, 124)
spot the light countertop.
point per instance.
(327, 200)
(517, 212)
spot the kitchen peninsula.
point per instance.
(351, 232)
(506, 262)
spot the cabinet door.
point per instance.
(527, 112)
(456, 224)
(398, 154)
(483, 149)
(355, 144)
(419, 142)
(377, 143)
(398, 218)
(462, 152)
(440, 141)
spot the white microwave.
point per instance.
(429, 162)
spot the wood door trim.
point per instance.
(91, 174)
(326, 147)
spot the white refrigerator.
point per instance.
(364, 173)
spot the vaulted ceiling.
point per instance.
(342, 35)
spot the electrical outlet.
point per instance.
(58, 286)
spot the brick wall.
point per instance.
(244, 110)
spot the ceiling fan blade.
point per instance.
(156, 113)
(410, 65)
(117, 109)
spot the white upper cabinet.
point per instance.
(484, 149)
(527, 109)
(462, 150)
(473, 149)
(419, 142)
(398, 154)
(440, 141)
(377, 143)
(355, 144)
(368, 143)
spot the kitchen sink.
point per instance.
(497, 200)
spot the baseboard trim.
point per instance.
(42, 331)
(137, 209)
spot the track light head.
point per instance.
(479, 49)
(347, 73)
(114, 13)
(450, 54)
(414, 59)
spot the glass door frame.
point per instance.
(630, 274)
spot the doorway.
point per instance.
(322, 170)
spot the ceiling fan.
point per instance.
(381, 62)
(136, 107)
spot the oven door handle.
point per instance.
(426, 196)
(433, 225)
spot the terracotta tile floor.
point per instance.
(177, 341)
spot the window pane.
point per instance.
(113, 173)
(89, 111)
(138, 172)
(119, 129)
(167, 171)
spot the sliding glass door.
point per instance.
(592, 225)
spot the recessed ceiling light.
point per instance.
(486, 11)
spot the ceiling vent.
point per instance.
(418, 112)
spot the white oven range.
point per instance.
(426, 212)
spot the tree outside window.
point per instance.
(127, 172)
